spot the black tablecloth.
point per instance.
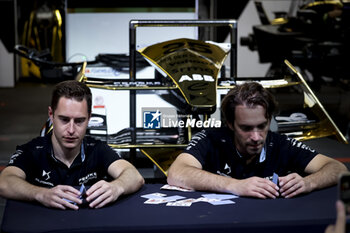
(307, 213)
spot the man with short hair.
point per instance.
(238, 158)
(46, 169)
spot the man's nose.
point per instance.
(255, 135)
(71, 127)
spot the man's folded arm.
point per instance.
(14, 186)
(324, 171)
(186, 171)
(126, 177)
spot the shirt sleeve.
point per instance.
(199, 146)
(299, 154)
(107, 154)
(21, 158)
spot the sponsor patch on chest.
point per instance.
(85, 179)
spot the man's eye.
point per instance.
(262, 126)
(246, 128)
(79, 121)
(65, 120)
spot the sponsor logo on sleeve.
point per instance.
(15, 156)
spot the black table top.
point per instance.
(306, 213)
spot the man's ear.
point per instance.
(50, 113)
(230, 126)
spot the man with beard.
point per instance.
(46, 169)
(243, 157)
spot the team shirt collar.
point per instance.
(82, 152)
(262, 156)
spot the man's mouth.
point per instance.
(255, 146)
(70, 139)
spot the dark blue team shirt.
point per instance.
(38, 162)
(215, 150)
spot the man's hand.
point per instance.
(292, 185)
(102, 193)
(256, 187)
(340, 223)
(59, 197)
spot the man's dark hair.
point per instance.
(249, 94)
(71, 89)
